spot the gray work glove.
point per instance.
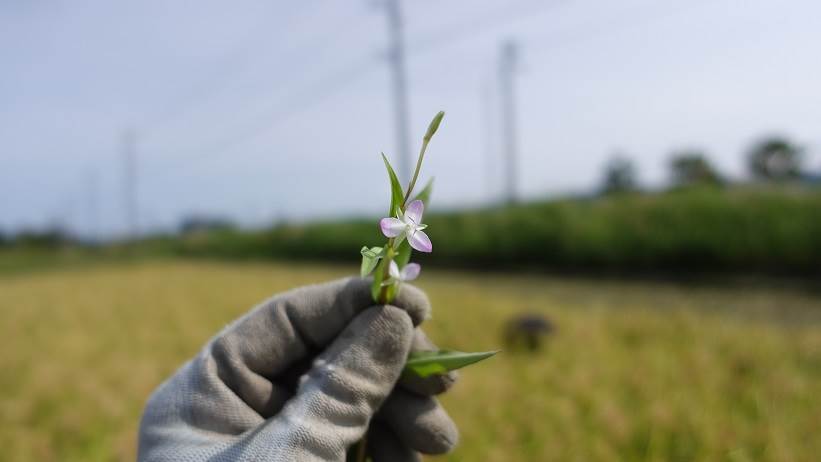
(299, 378)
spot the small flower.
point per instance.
(408, 225)
(408, 273)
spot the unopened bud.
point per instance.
(434, 125)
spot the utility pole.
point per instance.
(508, 59)
(130, 183)
(489, 140)
(396, 58)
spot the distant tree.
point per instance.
(49, 238)
(202, 223)
(690, 168)
(775, 159)
(619, 176)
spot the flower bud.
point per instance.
(434, 125)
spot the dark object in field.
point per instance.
(527, 331)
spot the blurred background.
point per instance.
(627, 200)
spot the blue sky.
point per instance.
(266, 110)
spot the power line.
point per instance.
(631, 19)
(335, 82)
(457, 32)
(452, 34)
(326, 87)
(225, 69)
(294, 103)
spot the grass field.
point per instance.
(636, 371)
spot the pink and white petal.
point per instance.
(393, 270)
(392, 227)
(413, 212)
(411, 271)
(420, 241)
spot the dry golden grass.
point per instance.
(635, 372)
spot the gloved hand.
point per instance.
(299, 378)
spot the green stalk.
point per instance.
(434, 125)
(361, 447)
(383, 292)
(416, 172)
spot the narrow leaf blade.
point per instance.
(427, 363)
(397, 195)
(378, 277)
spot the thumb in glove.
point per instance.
(348, 382)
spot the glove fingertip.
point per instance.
(420, 422)
(415, 302)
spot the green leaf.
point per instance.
(370, 257)
(378, 277)
(397, 196)
(427, 363)
(372, 252)
(424, 195)
(403, 254)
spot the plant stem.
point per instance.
(361, 446)
(361, 449)
(383, 292)
(434, 125)
(416, 172)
